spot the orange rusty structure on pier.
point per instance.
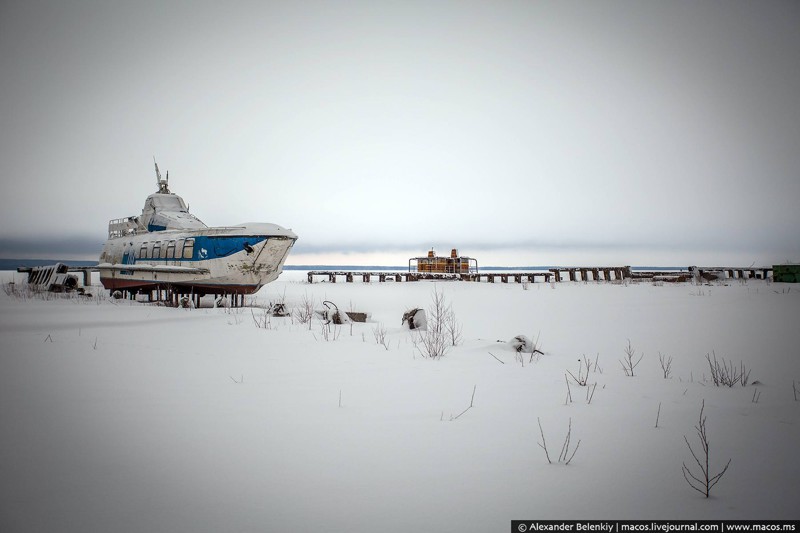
(455, 264)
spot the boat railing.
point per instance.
(220, 230)
(120, 227)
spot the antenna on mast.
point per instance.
(162, 183)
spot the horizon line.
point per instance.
(12, 264)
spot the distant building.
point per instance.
(455, 264)
(785, 273)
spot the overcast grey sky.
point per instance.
(522, 133)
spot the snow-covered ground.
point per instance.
(124, 416)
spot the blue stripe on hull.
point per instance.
(214, 247)
(204, 248)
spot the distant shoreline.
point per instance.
(13, 264)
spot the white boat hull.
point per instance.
(236, 260)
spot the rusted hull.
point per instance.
(131, 285)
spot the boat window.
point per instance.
(168, 202)
(188, 249)
(171, 250)
(143, 251)
(179, 249)
(156, 249)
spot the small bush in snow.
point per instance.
(703, 481)
(431, 344)
(452, 328)
(305, 311)
(327, 332)
(264, 319)
(380, 335)
(725, 373)
(666, 364)
(437, 339)
(582, 378)
(629, 362)
(564, 457)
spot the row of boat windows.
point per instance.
(167, 250)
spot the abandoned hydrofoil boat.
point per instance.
(168, 248)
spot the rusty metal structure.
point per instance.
(53, 278)
(433, 264)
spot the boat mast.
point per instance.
(162, 183)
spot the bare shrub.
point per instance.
(305, 312)
(725, 373)
(702, 482)
(452, 328)
(583, 375)
(582, 381)
(434, 342)
(329, 333)
(438, 311)
(564, 457)
(666, 364)
(264, 319)
(596, 365)
(431, 344)
(629, 362)
(535, 351)
(11, 289)
(379, 332)
(25, 291)
(235, 314)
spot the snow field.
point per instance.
(126, 416)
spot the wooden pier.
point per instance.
(552, 274)
(556, 274)
(546, 276)
(740, 273)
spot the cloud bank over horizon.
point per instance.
(505, 255)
